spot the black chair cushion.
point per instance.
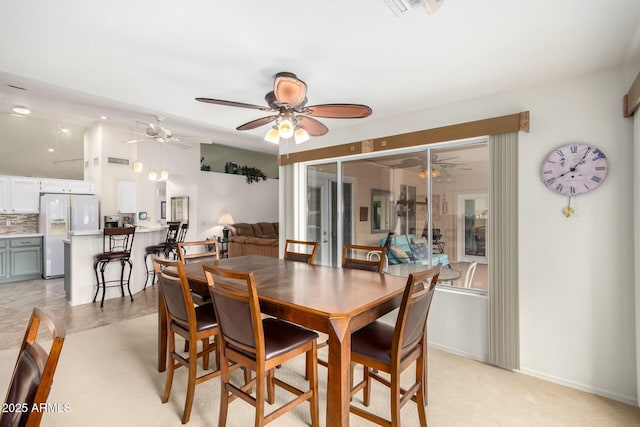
(373, 341)
(205, 316)
(154, 248)
(22, 389)
(281, 337)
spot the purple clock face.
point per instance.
(574, 169)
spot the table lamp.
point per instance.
(225, 219)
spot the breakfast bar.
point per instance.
(80, 250)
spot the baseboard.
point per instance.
(629, 400)
(458, 352)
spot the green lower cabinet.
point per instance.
(20, 259)
(4, 264)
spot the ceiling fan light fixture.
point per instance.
(301, 136)
(435, 173)
(137, 167)
(285, 129)
(272, 136)
(153, 175)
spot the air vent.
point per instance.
(117, 161)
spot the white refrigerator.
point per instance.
(60, 214)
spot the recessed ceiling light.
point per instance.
(51, 150)
(103, 117)
(64, 130)
(21, 110)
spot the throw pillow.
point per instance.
(420, 250)
(399, 253)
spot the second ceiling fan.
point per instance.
(293, 117)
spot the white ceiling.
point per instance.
(132, 59)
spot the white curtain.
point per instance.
(504, 338)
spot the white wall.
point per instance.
(576, 274)
(209, 193)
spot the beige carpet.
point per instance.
(107, 375)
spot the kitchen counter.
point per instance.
(19, 236)
(99, 232)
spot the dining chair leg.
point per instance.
(366, 393)
(395, 400)
(191, 384)
(260, 391)
(104, 285)
(312, 362)
(224, 393)
(129, 278)
(205, 353)
(271, 387)
(171, 366)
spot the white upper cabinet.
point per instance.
(126, 197)
(68, 186)
(19, 195)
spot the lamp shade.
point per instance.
(225, 219)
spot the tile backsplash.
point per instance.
(19, 223)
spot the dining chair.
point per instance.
(33, 373)
(193, 323)
(259, 345)
(358, 257)
(355, 257)
(471, 271)
(300, 251)
(382, 347)
(164, 248)
(200, 251)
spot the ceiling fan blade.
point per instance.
(312, 126)
(133, 141)
(176, 141)
(257, 123)
(289, 89)
(339, 111)
(233, 104)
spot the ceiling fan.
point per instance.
(161, 134)
(293, 118)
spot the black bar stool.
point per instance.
(116, 246)
(164, 248)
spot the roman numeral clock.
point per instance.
(574, 169)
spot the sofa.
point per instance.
(405, 248)
(254, 239)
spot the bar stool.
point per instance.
(165, 248)
(116, 246)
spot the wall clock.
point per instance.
(574, 169)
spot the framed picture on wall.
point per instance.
(180, 209)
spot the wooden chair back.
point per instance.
(200, 251)
(411, 322)
(355, 256)
(293, 248)
(33, 373)
(235, 300)
(176, 292)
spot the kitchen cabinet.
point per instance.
(20, 259)
(68, 186)
(126, 197)
(19, 195)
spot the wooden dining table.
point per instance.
(332, 300)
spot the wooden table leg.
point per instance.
(339, 378)
(162, 333)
